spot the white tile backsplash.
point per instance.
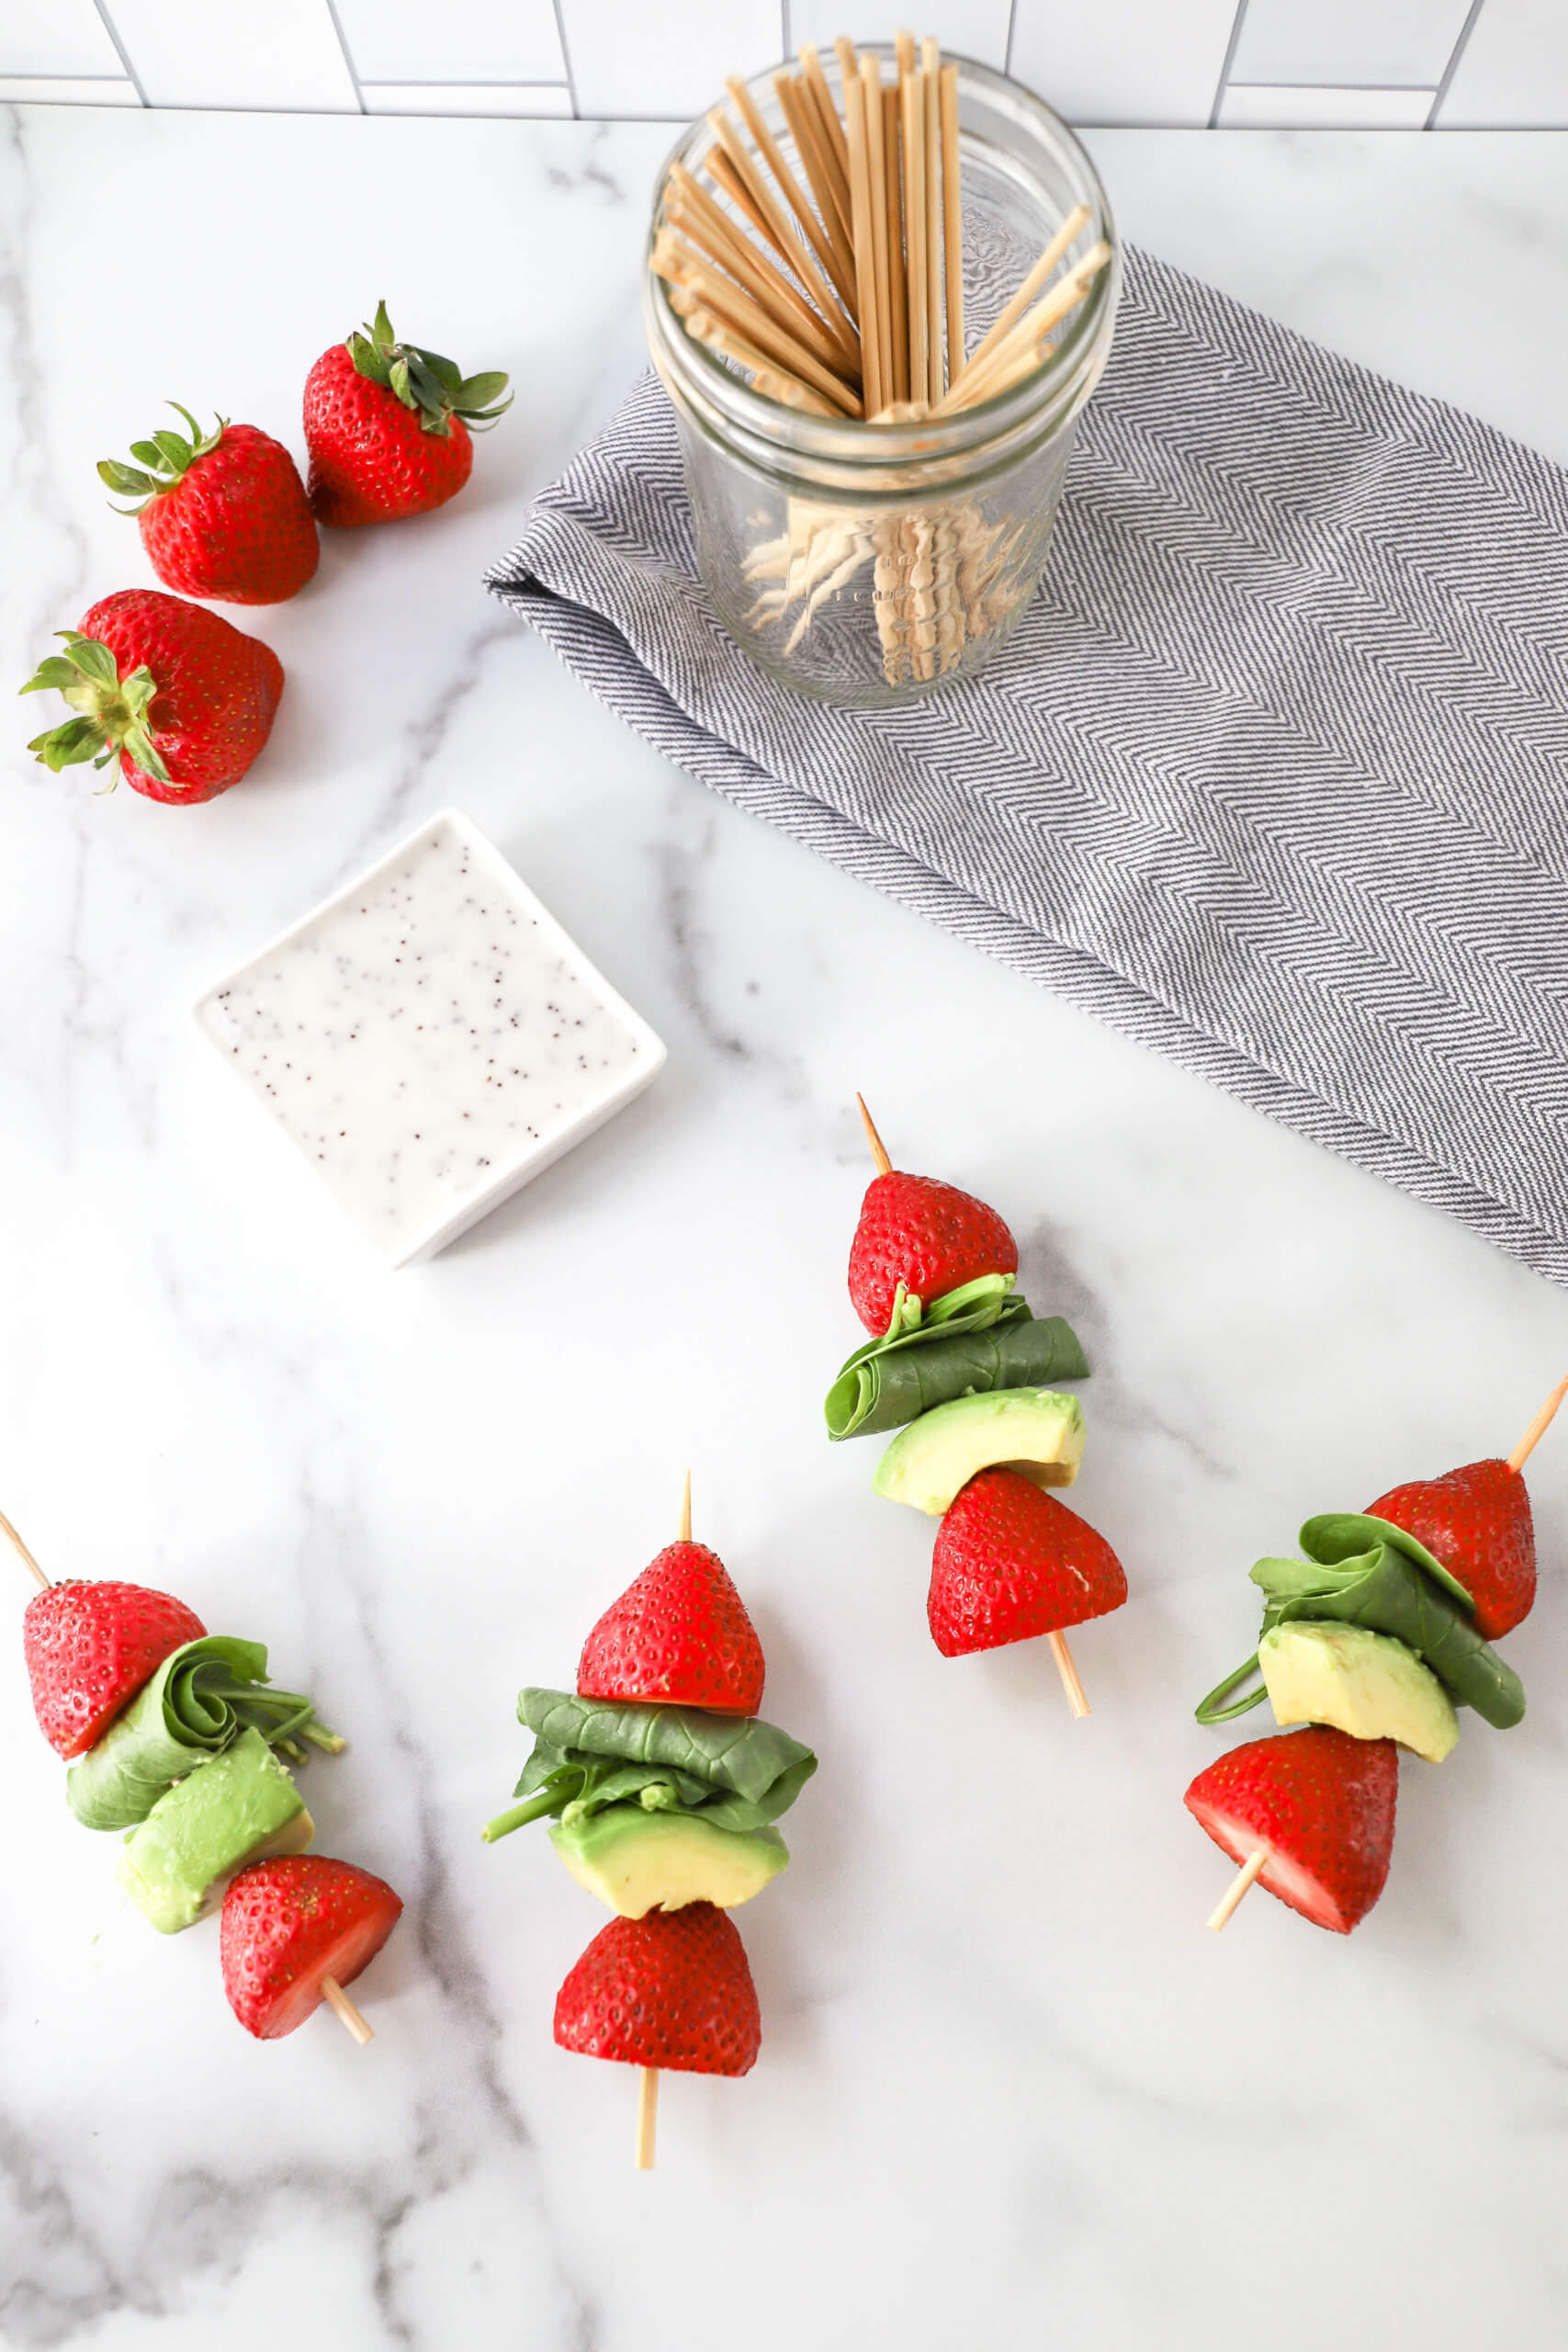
(60, 37)
(515, 41)
(1513, 69)
(965, 28)
(67, 90)
(280, 54)
(534, 98)
(1123, 60)
(1362, 43)
(1358, 63)
(1297, 106)
(630, 57)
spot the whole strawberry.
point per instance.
(672, 1989)
(1477, 1521)
(679, 1634)
(291, 1922)
(928, 1235)
(223, 514)
(1011, 1563)
(89, 1648)
(386, 425)
(182, 700)
(1320, 1804)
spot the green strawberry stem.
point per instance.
(434, 386)
(167, 457)
(519, 1815)
(112, 712)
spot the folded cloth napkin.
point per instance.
(1273, 775)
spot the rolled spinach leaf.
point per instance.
(1364, 1571)
(976, 1337)
(737, 1772)
(196, 1706)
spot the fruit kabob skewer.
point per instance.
(171, 1735)
(960, 1368)
(662, 1787)
(1371, 1641)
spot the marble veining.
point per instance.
(1009, 2093)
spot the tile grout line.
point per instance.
(565, 60)
(1227, 62)
(1441, 91)
(1007, 45)
(348, 62)
(120, 50)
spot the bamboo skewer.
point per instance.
(1538, 1428)
(31, 1565)
(789, 186)
(1058, 1641)
(1012, 310)
(647, 2076)
(832, 202)
(1245, 1879)
(802, 262)
(983, 377)
(352, 2019)
(930, 76)
(898, 273)
(647, 2117)
(915, 230)
(692, 210)
(876, 166)
(865, 256)
(952, 223)
(332, 1990)
(682, 265)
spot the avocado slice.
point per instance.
(634, 1859)
(1036, 1431)
(1365, 1683)
(231, 1810)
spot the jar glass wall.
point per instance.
(868, 562)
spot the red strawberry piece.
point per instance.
(1476, 1520)
(183, 699)
(385, 426)
(680, 1635)
(1011, 1563)
(928, 1235)
(672, 1989)
(90, 1647)
(288, 1923)
(223, 514)
(1321, 1806)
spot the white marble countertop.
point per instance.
(1011, 2093)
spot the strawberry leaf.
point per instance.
(140, 749)
(95, 662)
(65, 746)
(53, 671)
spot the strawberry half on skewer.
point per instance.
(1374, 1639)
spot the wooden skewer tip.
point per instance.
(647, 2116)
(1245, 1878)
(28, 1561)
(878, 1148)
(343, 2008)
(1069, 1674)
(1538, 1428)
(686, 1511)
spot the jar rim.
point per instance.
(1069, 370)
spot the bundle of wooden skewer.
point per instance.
(844, 297)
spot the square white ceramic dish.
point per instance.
(429, 1038)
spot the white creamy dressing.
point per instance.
(423, 1035)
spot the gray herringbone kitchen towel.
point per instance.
(1273, 775)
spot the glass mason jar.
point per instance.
(868, 563)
